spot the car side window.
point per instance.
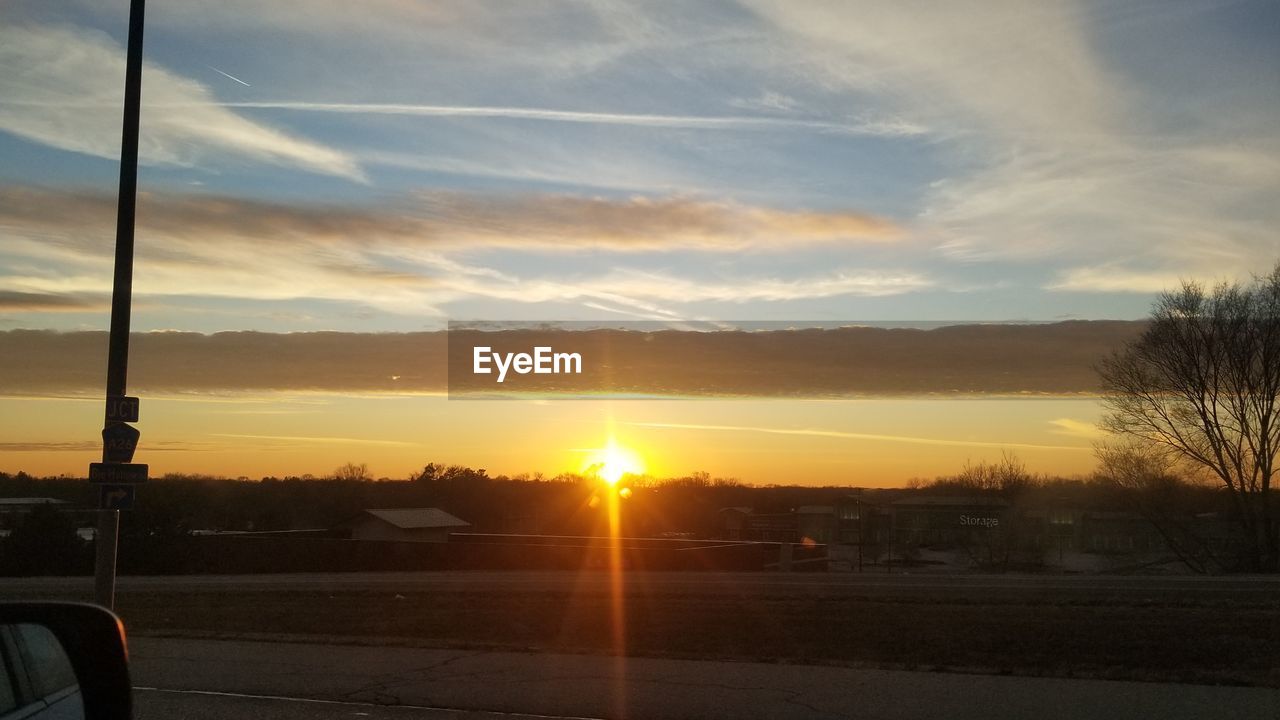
(8, 679)
(47, 663)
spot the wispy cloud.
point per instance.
(95, 446)
(1114, 279)
(696, 122)
(58, 80)
(623, 284)
(445, 220)
(401, 256)
(1076, 428)
(62, 446)
(1058, 154)
(319, 440)
(840, 434)
(48, 302)
(768, 101)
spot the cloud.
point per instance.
(71, 445)
(94, 446)
(623, 284)
(644, 223)
(454, 220)
(401, 256)
(1054, 359)
(1076, 428)
(768, 101)
(842, 435)
(1113, 279)
(59, 82)
(1017, 67)
(689, 122)
(48, 302)
(325, 440)
(1052, 149)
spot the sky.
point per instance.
(391, 165)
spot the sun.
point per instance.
(613, 461)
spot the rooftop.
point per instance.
(952, 501)
(31, 501)
(414, 518)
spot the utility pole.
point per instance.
(116, 475)
(862, 536)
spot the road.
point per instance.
(1260, 588)
(199, 705)
(1068, 627)
(200, 679)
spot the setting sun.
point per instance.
(612, 462)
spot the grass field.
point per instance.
(1198, 637)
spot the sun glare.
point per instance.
(612, 462)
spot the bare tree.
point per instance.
(352, 472)
(1009, 477)
(1152, 486)
(1201, 387)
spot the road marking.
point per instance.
(356, 703)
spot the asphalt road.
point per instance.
(150, 703)
(199, 679)
(1260, 588)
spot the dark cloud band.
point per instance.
(970, 359)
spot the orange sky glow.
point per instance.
(863, 442)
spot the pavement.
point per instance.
(1263, 588)
(199, 679)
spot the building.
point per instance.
(1119, 532)
(860, 521)
(13, 509)
(404, 525)
(26, 504)
(734, 522)
(816, 523)
(940, 521)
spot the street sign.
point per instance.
(116, 497)
(117, 473)
(118, 442)
(122, 408)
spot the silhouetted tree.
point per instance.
(451, 474)
(352, 472)
(1201, 388)
(1152, 487)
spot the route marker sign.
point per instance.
(122, 408)
(117, 473)
(119, 441)
(116, 497)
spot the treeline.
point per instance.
(154, 536)
(489, 503)
(171, 508)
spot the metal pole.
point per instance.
(889, 569)
(122, 288)
(104, 576)
(862, 536)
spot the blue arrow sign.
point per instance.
(116, 497)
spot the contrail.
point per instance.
(858, 436)
(304, 439)
(228, 76)
(712, 122)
